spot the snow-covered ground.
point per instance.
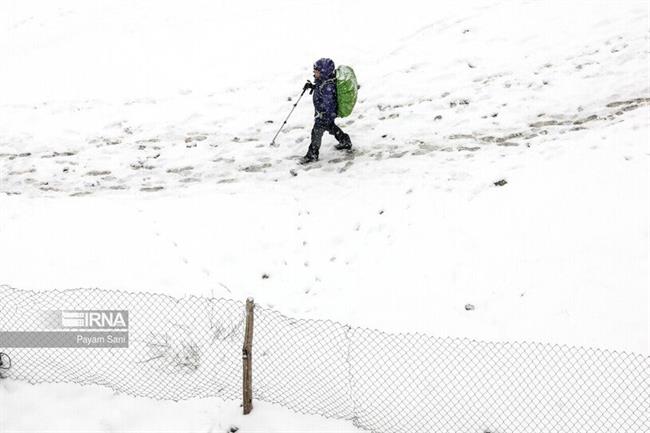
(84, 409)
(134, 155)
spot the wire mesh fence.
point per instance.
(192, 347)
(177, 348)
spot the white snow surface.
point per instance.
(134, 155)
(67, 408)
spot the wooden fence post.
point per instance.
(247, 357)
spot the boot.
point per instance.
(344, 142)
(310, 157)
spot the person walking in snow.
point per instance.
(324, 97)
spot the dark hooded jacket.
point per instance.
(325, 93)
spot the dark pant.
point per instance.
(317, 135)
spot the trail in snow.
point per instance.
(126, 162)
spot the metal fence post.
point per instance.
(247, 357)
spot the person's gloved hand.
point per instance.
(308, 85)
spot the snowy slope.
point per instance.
(134, 155)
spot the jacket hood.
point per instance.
(326, 68)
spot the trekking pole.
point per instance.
(285, 120)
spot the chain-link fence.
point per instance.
(178, 348)
(192, 347)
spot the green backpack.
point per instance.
(346, 90)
